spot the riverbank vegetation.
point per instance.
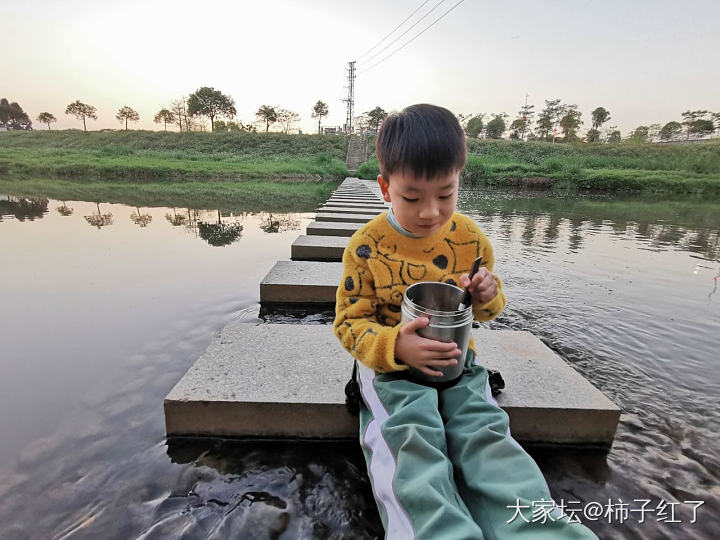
(159, 156)
(692, 168)
(275, 196)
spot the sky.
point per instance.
(646, 61)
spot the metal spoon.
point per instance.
(467, 297)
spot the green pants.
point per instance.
(442, 463)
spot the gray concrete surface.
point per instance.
(346, 210)
(329, 228)
(301, 282)
(347, 218)
(318, 248)
(282, 380)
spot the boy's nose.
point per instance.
(429, 211)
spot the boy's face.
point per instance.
(421, 206)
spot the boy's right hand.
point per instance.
(422, 353)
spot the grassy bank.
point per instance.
(658, 168)
(171, 156)
(251, 196)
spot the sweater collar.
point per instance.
(421, 240)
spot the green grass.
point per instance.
(138, 157)
(648, 168)
(625, 167)
(249, 195)
(153, 156)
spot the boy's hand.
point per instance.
(483, 286)
(422, 353)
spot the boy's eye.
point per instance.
(410, 200)
(447, 196)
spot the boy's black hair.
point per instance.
(423, 140)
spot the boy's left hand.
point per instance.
(483, 286)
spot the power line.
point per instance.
(393, 30)
(412, 39)
(406, 31)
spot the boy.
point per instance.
(440, 457)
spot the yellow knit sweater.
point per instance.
(379, 263)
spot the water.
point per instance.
(98, 323)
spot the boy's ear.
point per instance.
(384, 187)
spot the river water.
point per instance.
(105, 306)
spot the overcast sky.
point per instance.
(646, 61)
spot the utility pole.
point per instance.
(350, 100)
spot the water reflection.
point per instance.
(64, 209)
(22, 208)
(624, 291)
(541, 221)
(220, 233)
(138, 218)
(275, 223)
(100, 220)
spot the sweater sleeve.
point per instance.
(356, 324)
(489, 310)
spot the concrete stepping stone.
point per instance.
(302, 282)
(287, 381)
(353, 198)
(318, 248)
(346, 210)
(331, 228)
(349, 218)
(351, 204)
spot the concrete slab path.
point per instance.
(282, 380)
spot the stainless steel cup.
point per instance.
(439, 302)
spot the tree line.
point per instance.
(560, 121)
(556, 121)
(187, 113)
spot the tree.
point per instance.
(127, 113)
(287, 118)
(177, 107)
(46, 118)
(267, 114)
(515, 128)
(496, 127)
(525, 119)
(614, 136)
(166, 116)
(593, 135)
(599, 117)
(377, 115)
(206, 101)
(716, 118)
(12, 115)
(690, 119)
(81, 111)
(670, 131)
(549, 118)
(640, 134)
(570, 122)
(702, 127)
(320, 111)
(474, 126)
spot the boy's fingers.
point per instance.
(442, 362)
(480, 276)
(414, 325)
(443, 355)
(432, 345)
(429, 371)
